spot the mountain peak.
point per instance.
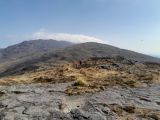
(29, 47)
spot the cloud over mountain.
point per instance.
(75, 38)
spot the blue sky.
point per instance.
(130, 24)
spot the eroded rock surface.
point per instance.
(49, 102)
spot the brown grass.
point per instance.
(81, 82)
(89, 79)
(132, 112)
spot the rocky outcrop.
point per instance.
(49, 102)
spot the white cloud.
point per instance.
(75, 38)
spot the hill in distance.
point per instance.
(46, 54)
(32, 47)
(28, 50)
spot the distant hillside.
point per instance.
(32, 47)
(69, 54)
(1, 52)
(92, 49)
(28, 50)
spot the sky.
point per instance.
(128, 24)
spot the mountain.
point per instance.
(56, 56)
(92, 49)
(32, 47)
(28, 50)
(1, 52)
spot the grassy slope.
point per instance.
(93, 75)
(69, 54)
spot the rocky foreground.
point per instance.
(50, 102)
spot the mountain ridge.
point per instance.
(31, 46)
(69, 53)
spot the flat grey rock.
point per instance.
(49, 102)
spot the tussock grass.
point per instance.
(91, 78)
(81, 82)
